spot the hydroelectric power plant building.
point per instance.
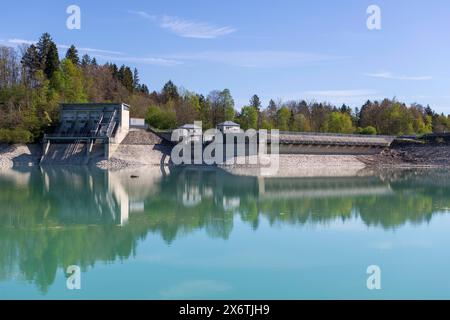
(85, 127)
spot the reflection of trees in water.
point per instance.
(298, 201)
(38, 253)
(171, 214)
(72, 216)
(396, 210)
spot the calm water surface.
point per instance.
(206, 234)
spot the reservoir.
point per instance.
(192, 233)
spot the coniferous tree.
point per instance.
(429, 111)
(48, 55)
(114, 70)
(272, 112)
(52, 61)
(30, 61)
(136, 80)
(85, 60)
(126, 77)
(170, 92)
(255, 102)
(72, 55)
(346, 109)
(144, 89)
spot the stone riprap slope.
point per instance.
(141, 137)
(334, 139)
(139, 148)
(417, 155)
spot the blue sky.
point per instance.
(284, 50)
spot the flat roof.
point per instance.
(190, 126)
(228, 124)
(87, 106)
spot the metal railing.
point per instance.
(74, 136)
(336, 135)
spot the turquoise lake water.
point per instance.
(206, 234)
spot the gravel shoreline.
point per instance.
(19, 155)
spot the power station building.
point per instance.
(90, 124)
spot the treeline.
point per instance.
(34, 80)
(388, 117)
(174, 107)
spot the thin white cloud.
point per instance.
(106, 55)
(187, 28)
(337, 97)
(255, 59)
(144, 15)
(62, 46)
(391, 76)
(340, 93)
(20, 41)
(142, 60)
(100, 51)
(247, 59)
(191, 29)
(91, 50)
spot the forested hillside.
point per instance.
(36, 78)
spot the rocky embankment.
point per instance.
(19, 155)
(139, 148)
(412, 155)
(141, 137)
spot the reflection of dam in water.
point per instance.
(194, 185)
(101, 197)
(322, 188)
(107, 197)
(83, 196)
